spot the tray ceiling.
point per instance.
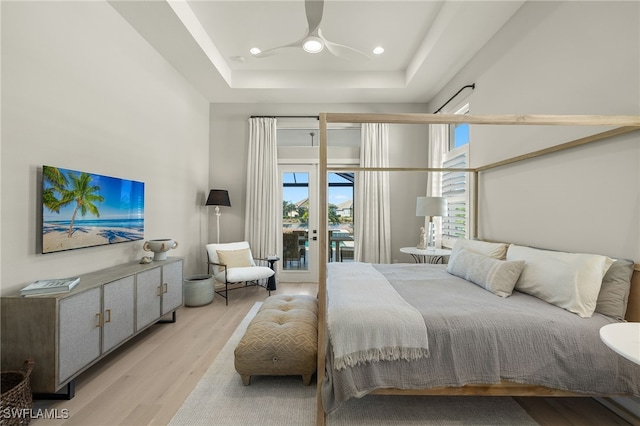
(426, 43)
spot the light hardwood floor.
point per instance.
(146, 381)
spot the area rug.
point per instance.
(219, 398)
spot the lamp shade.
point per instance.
(218, 197)
(431, 206)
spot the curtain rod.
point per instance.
(317, 117)
(472, 86)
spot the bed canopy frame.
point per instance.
(621, 125)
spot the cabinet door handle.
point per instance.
(166, 288)
(107, 316)
(98, 320)
(158, 292)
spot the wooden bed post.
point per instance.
(322, 265)
(476, 203)
(633, 304)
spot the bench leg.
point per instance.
(306, 379)
(246, 379)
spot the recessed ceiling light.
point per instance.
(378, 50)
(313, 44)
(254, 50)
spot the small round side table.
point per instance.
(426, 255)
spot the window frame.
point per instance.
(452, 154)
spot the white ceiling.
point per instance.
(426, 43)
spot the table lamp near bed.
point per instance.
(430, 207)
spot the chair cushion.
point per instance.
(249, 273)
(235, 258)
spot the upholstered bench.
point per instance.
(281, 340)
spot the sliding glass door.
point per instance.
(298, 167)
(299, 225)
(299, 255)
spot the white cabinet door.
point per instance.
(148, 296)
(118, 312)
(79, 339)
(171, 287)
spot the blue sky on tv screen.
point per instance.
(123, 198)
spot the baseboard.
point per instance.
(628, 408)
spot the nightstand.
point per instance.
(427, 255)
(623, 338)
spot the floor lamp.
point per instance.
(430, 206)
(218, 197)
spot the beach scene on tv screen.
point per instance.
(81, 209)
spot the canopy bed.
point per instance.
(479, 348)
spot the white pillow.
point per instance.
(234, 258)
(570, 281)
(494, 250)
(497, 276)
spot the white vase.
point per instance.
(160, 248)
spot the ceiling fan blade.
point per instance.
(314, 9)
(345, 52)
(276, 50)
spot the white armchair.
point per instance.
(233, 263)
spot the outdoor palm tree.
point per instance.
(84, 195)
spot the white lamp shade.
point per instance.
(431, 206)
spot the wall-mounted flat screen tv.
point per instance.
(81, 209)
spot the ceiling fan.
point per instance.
(313, 41)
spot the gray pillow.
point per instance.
(614, 293)
(497, 276)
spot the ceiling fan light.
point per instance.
(313, 44)
(254, 50)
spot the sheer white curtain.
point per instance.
(372, 221)
(438, 144)
(263, 210)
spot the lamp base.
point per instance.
(431, 236)
(218, 224)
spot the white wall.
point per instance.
(83, 91)
(229, 139)
(559, 58)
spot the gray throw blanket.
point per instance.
(382, 325)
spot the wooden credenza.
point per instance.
(67, 333)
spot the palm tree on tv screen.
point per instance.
(57, 185)
(84, 195)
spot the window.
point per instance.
(454, 189)
(459, 135)
(455, 183)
